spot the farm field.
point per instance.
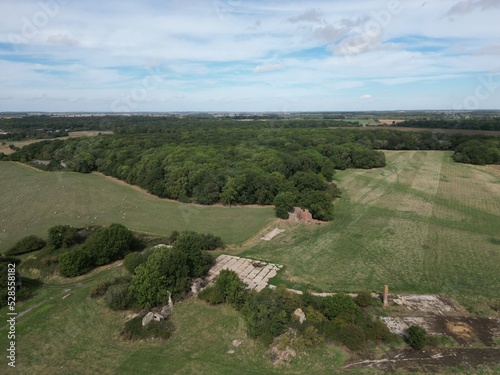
(422, 224)
(33, 201)
(81, 336)
(86, 133)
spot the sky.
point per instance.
(249, 55)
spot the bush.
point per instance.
(62, 236)
(364, 299)
(189, 239)
(159, 330)
(417, 337)
(118, 297)
(133, 329)
(340, 306)
(109, 244)
(75, 262)
(352, 336)
(99, 289)
(26, 245)
(231, 287)
(377, 330)
(133, 260)
(212, 295)
(265, 315)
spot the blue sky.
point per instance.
(235, 55)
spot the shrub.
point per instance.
(159, 330)
(133, 329)
(26, 245)
(265, 315)
(352, 336)
(314, 316)
(109, 244)
(62, 236)
(417, 337)
(99, 289)
(133, 260)
(212, 295)
(75, 262)
(364, 299)
(193, 240)
(118, 297)
(310, 336)
(231, 287)
(340, 306)
(377, 330)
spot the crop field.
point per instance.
(32, 201)
(422, 224)
(85, 133)
(78, 335)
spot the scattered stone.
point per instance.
(196, 286)
(150, 316)
(236, 343)
(147, 319)
(230, 352)
(300, 314)
(166, 311)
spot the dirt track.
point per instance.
(432, 361)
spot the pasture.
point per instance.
(422, 224)
(32, 201)
(79, 335)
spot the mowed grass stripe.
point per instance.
(404, 225)
(32, 201)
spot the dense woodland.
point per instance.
(285, 162)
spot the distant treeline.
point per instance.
(44, 126)
(475, 123)
(235, 162)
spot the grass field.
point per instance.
(422, 224)
(86, 133)
(32, 201)
(78, 335)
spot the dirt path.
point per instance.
(432, 361)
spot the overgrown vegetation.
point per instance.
(133, 329)
(26, 245)
(417, 337)
(104, 246)
(271, 313)
(170, 271)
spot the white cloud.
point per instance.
(319, 54)
(63, 39)
(467, 6)
(268, 68)
(366, 97)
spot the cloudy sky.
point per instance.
(249, 55)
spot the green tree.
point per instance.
(62, 236)
(284, 203)
(26, 245)
(150, 285)
(229, 193)
(75, 262)
(109, 244)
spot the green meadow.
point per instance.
(32, 201)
